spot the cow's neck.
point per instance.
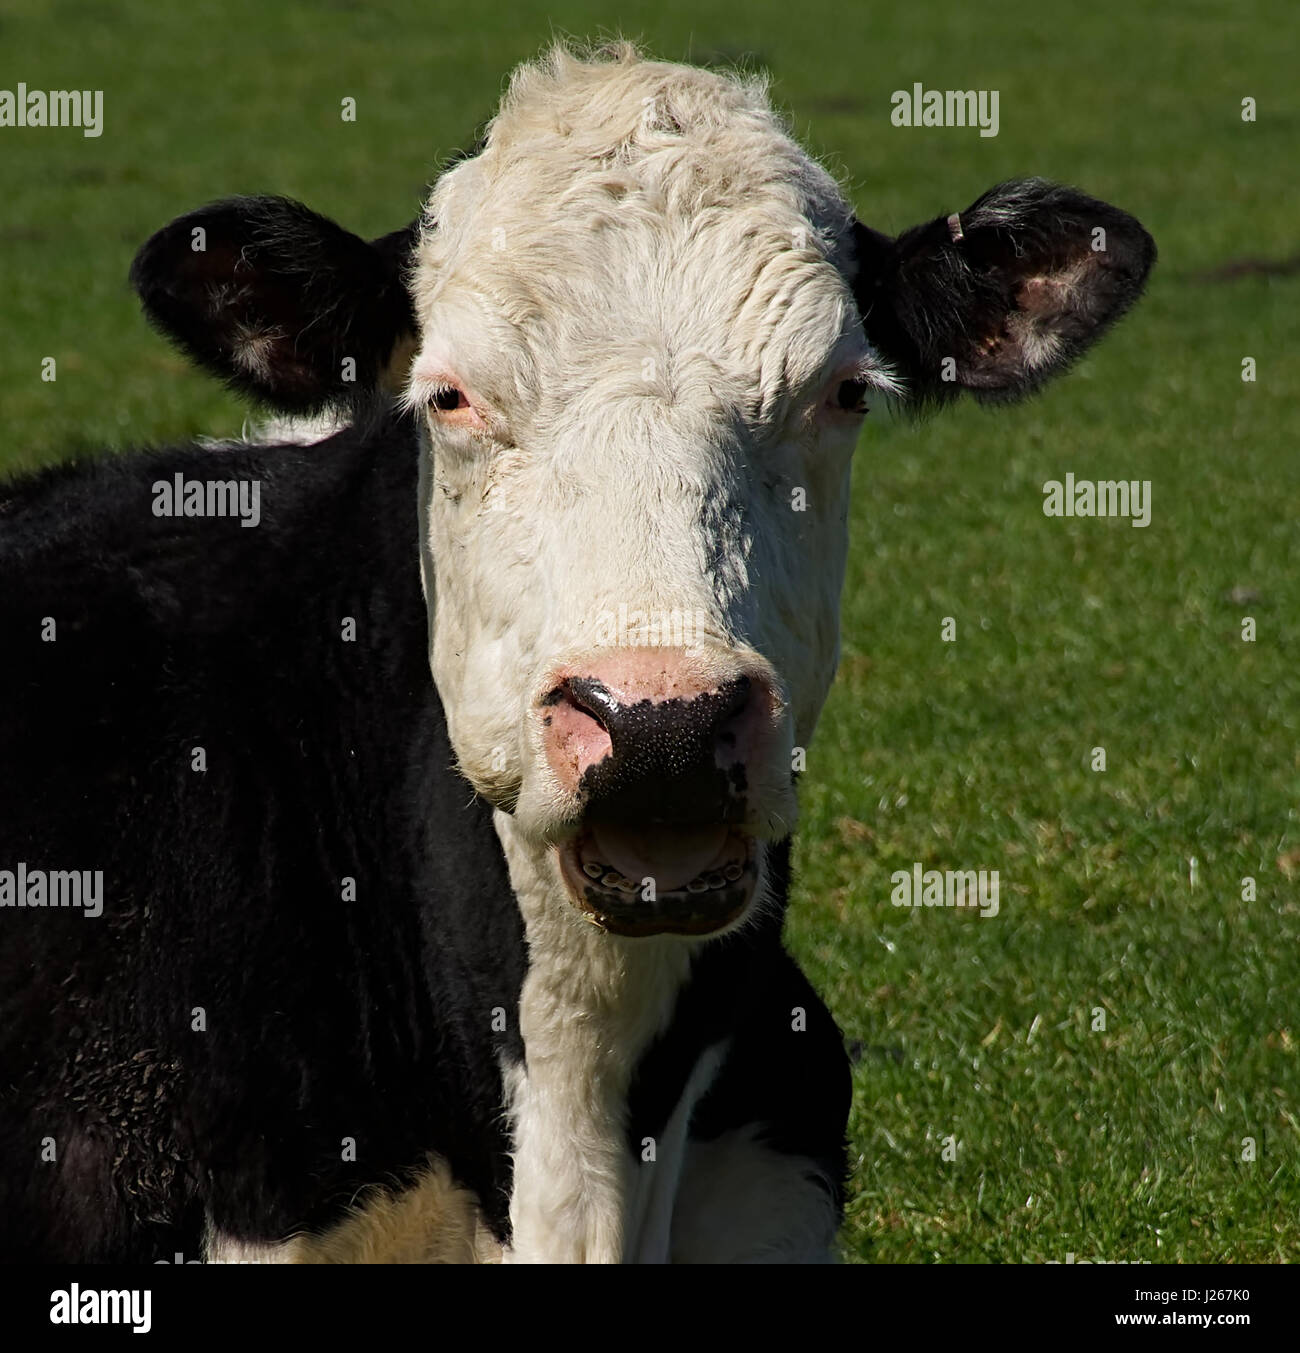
(590, 1006)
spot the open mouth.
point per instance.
(660, 879)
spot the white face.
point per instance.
(643, 375)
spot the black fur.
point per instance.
(786, 1072)
(280, 281)
(326, 1019)
(330, 1019)
(926, 296)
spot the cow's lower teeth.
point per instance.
(708, 881)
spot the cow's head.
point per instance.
(649, 331)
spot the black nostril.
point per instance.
(737, 692)
(696, 720)
(663, 760)
(591, 697)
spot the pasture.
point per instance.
(995, 1119)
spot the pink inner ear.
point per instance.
(1060, 291)
(1042, 296)
(1054, 295)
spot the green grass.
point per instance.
(1115, 1144)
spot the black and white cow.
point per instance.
(489, 966)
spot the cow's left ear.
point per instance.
(1000, 297)
(280, 302)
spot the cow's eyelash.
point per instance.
(853, 390)
(430, 392)
(446, 398)
(850, 396)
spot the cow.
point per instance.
(433, 836)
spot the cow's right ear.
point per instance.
(279, 302)
(999, 298)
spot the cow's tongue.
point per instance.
(672, 856)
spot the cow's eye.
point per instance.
(851, 397)
(448, 398)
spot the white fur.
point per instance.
(641, 284)
(641, 281)
(281, 430)
(741, 1202)
(591, 1004)
(434, 1221)
(655, 1197)
(220, 1248)
(297, 429)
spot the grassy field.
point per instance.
(1121, 889)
